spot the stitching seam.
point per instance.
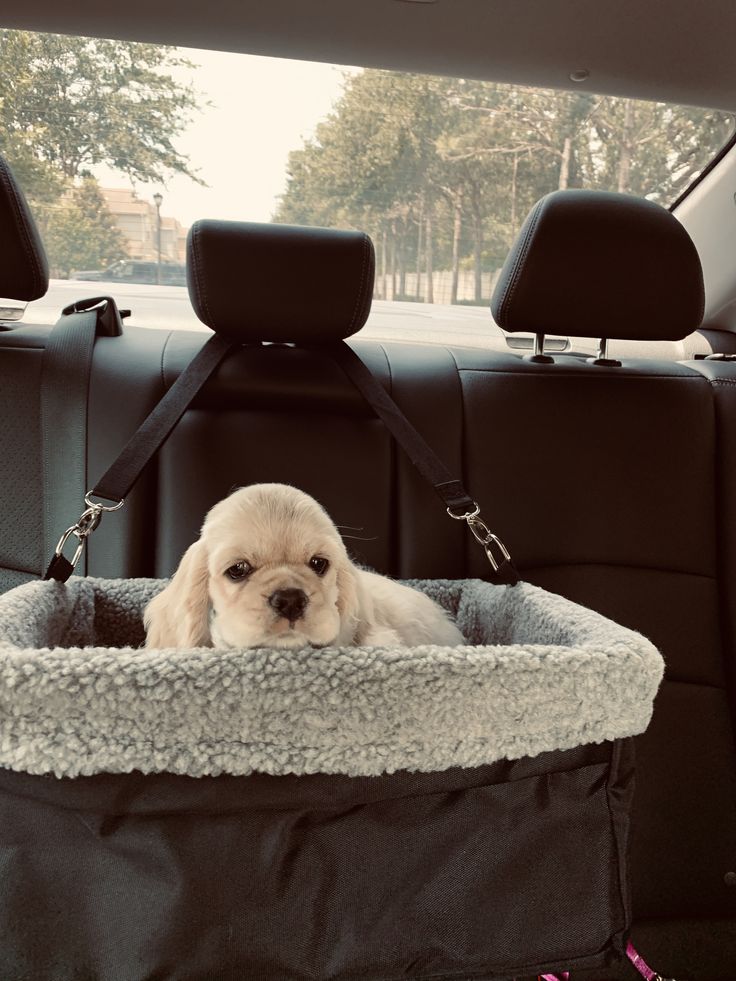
(198, 283)
(361, 286)
(508, 295)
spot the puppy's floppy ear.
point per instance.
(349, 601)
(179, 615)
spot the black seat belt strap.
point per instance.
(458, 502)
(67, 361)
(450, 490)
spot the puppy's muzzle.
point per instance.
(289, 603)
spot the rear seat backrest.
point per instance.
(616, 465)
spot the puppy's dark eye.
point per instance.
(319, 565)
(239, 571)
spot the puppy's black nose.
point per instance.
(289, 603)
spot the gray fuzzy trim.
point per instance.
(78, 696)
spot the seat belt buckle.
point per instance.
(109, 317)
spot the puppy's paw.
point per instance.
(375, 635)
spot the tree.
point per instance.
(79, 232)
(441, 172)
(69, 103)
(651, 149)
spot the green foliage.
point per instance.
(456, 164)
(79, 232)
(73, 102)
(68, 104)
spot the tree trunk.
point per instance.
(420, 226)
(456, 233)
(624, 160)
(565, 163)
(478, 251)
(384, 250)
(402, 260)
(430, 257)
(392, 261)
(512, 217)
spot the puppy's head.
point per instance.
(269, 570)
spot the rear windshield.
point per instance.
(121, 146)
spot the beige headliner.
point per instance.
(673, 50)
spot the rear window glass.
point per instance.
(121, 146)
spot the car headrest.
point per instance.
(262, 282)
(24, 271)
(601, 264)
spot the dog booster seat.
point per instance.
(435, 813)
(357, 813)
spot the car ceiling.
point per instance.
(671, 50)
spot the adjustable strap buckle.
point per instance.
(60, 567)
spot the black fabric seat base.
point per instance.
(318, 877)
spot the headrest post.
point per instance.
(602, 357)
(539, 357)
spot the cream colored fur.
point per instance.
(277, 530)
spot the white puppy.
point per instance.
(271, 570)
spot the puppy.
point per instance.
(271, 570)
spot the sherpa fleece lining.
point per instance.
(78, 696)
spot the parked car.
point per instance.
(610, 478)
(131, 271)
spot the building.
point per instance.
(137, 220)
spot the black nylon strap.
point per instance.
(67, 360)
(117, 481)
(60, 569)
(449, 489)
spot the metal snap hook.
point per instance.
(64, 539)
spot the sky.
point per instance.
(261, 109)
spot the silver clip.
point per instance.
(64, 539)
(102, 507)
(467, 515)
(484, 536)
(88, 521)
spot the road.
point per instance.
(168, 308)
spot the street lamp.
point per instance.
(158, 201)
